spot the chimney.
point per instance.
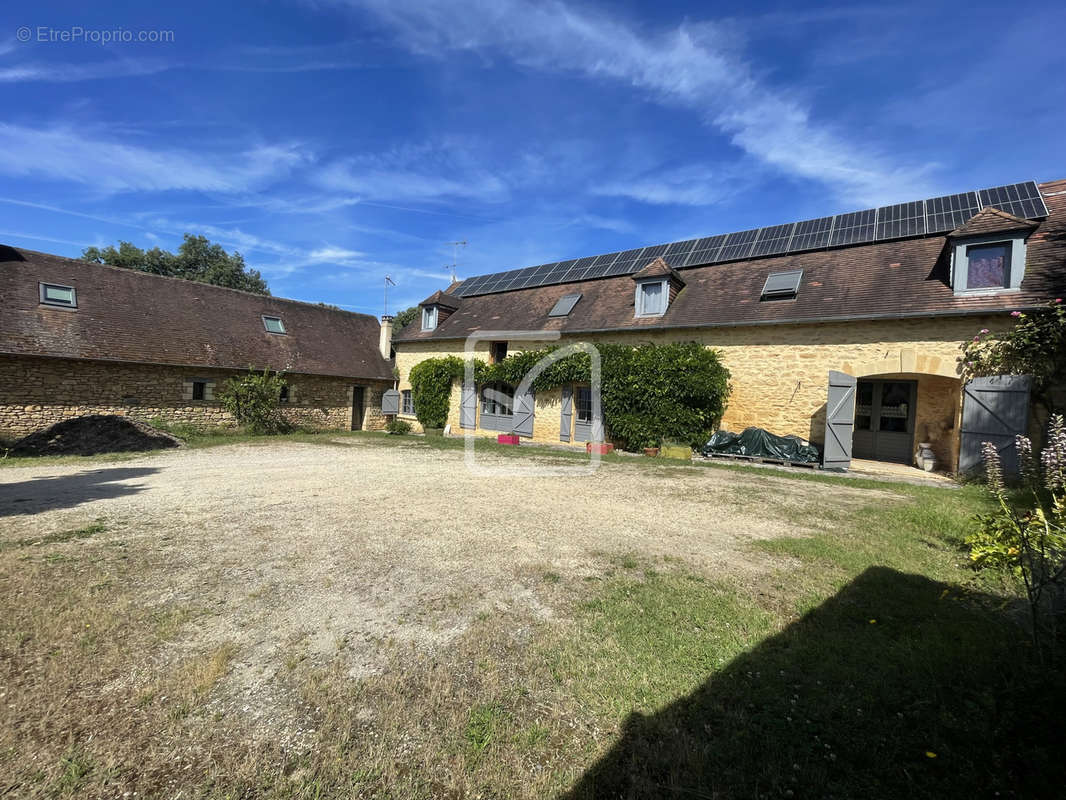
(385, 340)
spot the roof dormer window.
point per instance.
(429, 318)
(273, 324)
(988, 264)
(651, 298)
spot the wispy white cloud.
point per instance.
(70, 73)
(424, 172)
(334, 254)
(693, 66)
(113, 166)
(690, 186)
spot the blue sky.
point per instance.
(335, 141)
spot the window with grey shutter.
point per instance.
(468, 407)
(524, 406)
(566, 414)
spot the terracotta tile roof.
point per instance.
(440, 298)
(992, 220)
(124, 315)
(658, 268)
(894, 279)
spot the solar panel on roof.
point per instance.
(853, 228)
(811, 234)
(705, 251)
(904, 219)
(1020, 199)
(564, 305)
(950, 211)
(773, 240)
(917, 218)
(601, 265)
(738, 245)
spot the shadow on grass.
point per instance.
(67, 491)
(897, 686)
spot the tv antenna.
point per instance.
(455, 256)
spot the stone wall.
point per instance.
(37, 392)
(779, 373)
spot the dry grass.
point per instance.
(196, 632)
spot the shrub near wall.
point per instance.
(431, 388)
(650, 393)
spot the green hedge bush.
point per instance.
(254, 400)
(650, 393)
(431, 389)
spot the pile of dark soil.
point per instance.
(96, 433)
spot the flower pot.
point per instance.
(651, 451)
(598, 447)
(508, 438)
(434, 431)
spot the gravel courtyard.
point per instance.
(344, 550)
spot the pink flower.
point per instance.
(1058, 299)
(984, 330)
(1016, 313)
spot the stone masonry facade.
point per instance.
(37, 392)
(779, 373)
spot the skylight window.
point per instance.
(564, 306)
(53, 294)
(782, 285)
(273, 324)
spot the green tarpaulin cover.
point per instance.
(762, 444)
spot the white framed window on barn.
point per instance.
(407, 403)
(651, 298)
(429, 318)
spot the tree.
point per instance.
(197, 259)
(403, 319)
(1035, 345)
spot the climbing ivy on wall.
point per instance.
(431, 389)
(650, 393)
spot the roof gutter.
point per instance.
(245, 368)
(755, 323)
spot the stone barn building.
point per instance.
(80, 338)
(861, 314)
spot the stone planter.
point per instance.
(651, 452)
(925, 458)
(434, 431)
(600, 448)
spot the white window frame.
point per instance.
(429, 318)
(638, 301)
(960, 263)
(407, 403)
(281, 324)
(43, 287)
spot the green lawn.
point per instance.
(871, 662)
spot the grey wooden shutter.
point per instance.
(994, 409)
(468, 407)
(839, 421)
(566, 414)
(523, 413)
(390, 402)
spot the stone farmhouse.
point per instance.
(80, 338)
(844, 330)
